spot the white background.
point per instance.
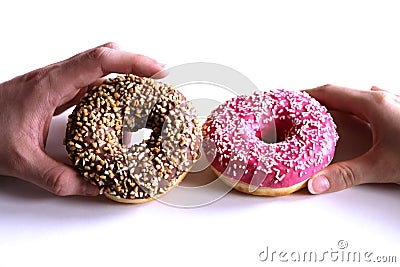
(285, 44)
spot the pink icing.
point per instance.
(305, 138)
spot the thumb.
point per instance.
(58, 178)
(342, 175)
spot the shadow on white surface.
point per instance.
(21, 200)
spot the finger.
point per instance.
(375, 88)
(344, 99)
(378, 89)
(58, 178)
(78, 96)
(343, 175)
(85, 68)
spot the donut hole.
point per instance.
(276, 131)
(130, 139)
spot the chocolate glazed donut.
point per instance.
(98, 138)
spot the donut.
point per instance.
(237, 140)
(99, 138)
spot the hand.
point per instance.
(379, 108)
(28, 102)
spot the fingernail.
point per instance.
(318, 185)
(162, 65)
(162, 73)
(90, 190)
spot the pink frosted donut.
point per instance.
(299, 140)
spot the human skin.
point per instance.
(28, 103)
(380, 164)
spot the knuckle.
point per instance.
(36, 77)
(99, 53)
(54, 180)
(112, 45)
(382, 98)
(346, 175)
(42, 82)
